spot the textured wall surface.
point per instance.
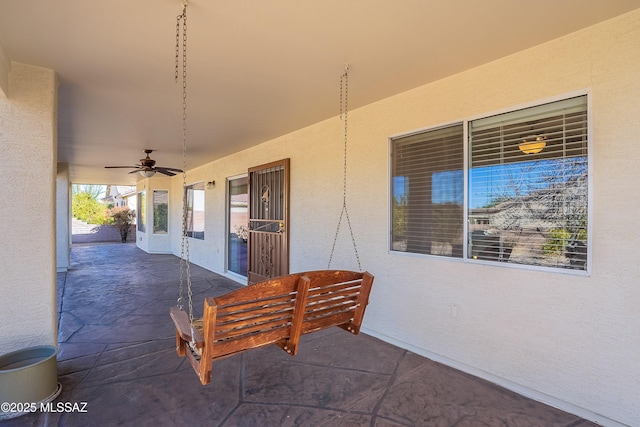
(27, 212)
(566, 339)
(157, 243)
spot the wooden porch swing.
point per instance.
(274, 311)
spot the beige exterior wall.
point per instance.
(569, 340)
(149, 241)
(28, 263)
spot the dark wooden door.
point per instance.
(268, 221)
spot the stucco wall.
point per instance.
(149, 241)
(569, 340)
(28, 262)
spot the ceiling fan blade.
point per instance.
(148, 165)
(168, 169)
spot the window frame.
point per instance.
(194, 234)
(435, 129)
(466, 214)
(142, 211)
(228, 226)
(155, 206)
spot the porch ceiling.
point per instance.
(256, 69)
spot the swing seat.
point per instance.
(276, 311)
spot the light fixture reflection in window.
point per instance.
(533, 146)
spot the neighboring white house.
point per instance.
(121, 195)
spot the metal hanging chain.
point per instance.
(185, 265)
(180, 298)
(344, 115)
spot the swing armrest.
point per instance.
(183, 326)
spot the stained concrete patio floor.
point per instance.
(117, 354)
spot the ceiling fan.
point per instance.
(148, 168)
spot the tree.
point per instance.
(86, 208)
(123, 218)
(400, 217)
(94, 191)
(160, 218)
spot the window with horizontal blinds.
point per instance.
(528, 186)
(428, 192)
(526, 194)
